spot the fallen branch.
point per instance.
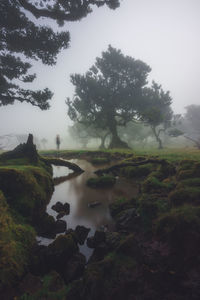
(63, 163)
(61, 179)
(129, 164)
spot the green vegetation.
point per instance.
(16, 241)
(137, 172)
(100, 160)
(101, 182)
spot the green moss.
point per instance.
(46, 291)
(187, 194)
(191, 182)
(153, 184)
(65, 244)
(140, 171)
(120, 204)
(16, 241)
(174, 225)
(100, 160)
(101, 182)
(188, 169)
(28, 188)
(150, 207)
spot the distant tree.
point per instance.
(192, 126)
(155, 110)
(83, 133)
(108, 95)
(23, 40)
(135, 132)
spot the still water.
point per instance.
(79, 195)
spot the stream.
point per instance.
(75, 192)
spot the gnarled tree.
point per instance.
(155, 110)
(108, 95)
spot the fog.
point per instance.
(164, 34)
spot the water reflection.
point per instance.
(79, 195)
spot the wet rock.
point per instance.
(97, 239)
(60, 207)
(61, 226)
(60, 215)
(81, 233)
(46, 226)
(60, 252)
(112, 239)
(74, 268)
(127, 219)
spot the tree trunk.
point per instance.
(116, 142)
(103, 139)
(196, 142)
(158, 139)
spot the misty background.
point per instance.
(163, 34)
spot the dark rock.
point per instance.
(27, 149)
(127, 219)
(99, 252)
(30, 284)
(97, 239)
(112, 239)
(56, 282)
(46, 226)
(129, 246)
(60, 252)
(66, 208)
(61, 226)
(81, 233)
(60, 215)
(60, 207)
(74, 268)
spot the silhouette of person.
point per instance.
(58, 141)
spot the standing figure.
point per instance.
(58, 141)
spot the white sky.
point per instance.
(163, 33)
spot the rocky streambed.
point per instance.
(144, 233)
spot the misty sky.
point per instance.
(163, 33)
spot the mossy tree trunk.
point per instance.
(116, 142)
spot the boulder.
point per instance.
(127, 219)
(96, 240)
(60, 215)
(60, 226)
(60, 207)
(74, 268)
(81, 233)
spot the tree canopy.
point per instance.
(114, 92)
(155, 110)
(191, 124)
(23, 40)
(108, 95)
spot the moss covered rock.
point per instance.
(101, 182)
(16, 241)
(139, 171)
(187, 194)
